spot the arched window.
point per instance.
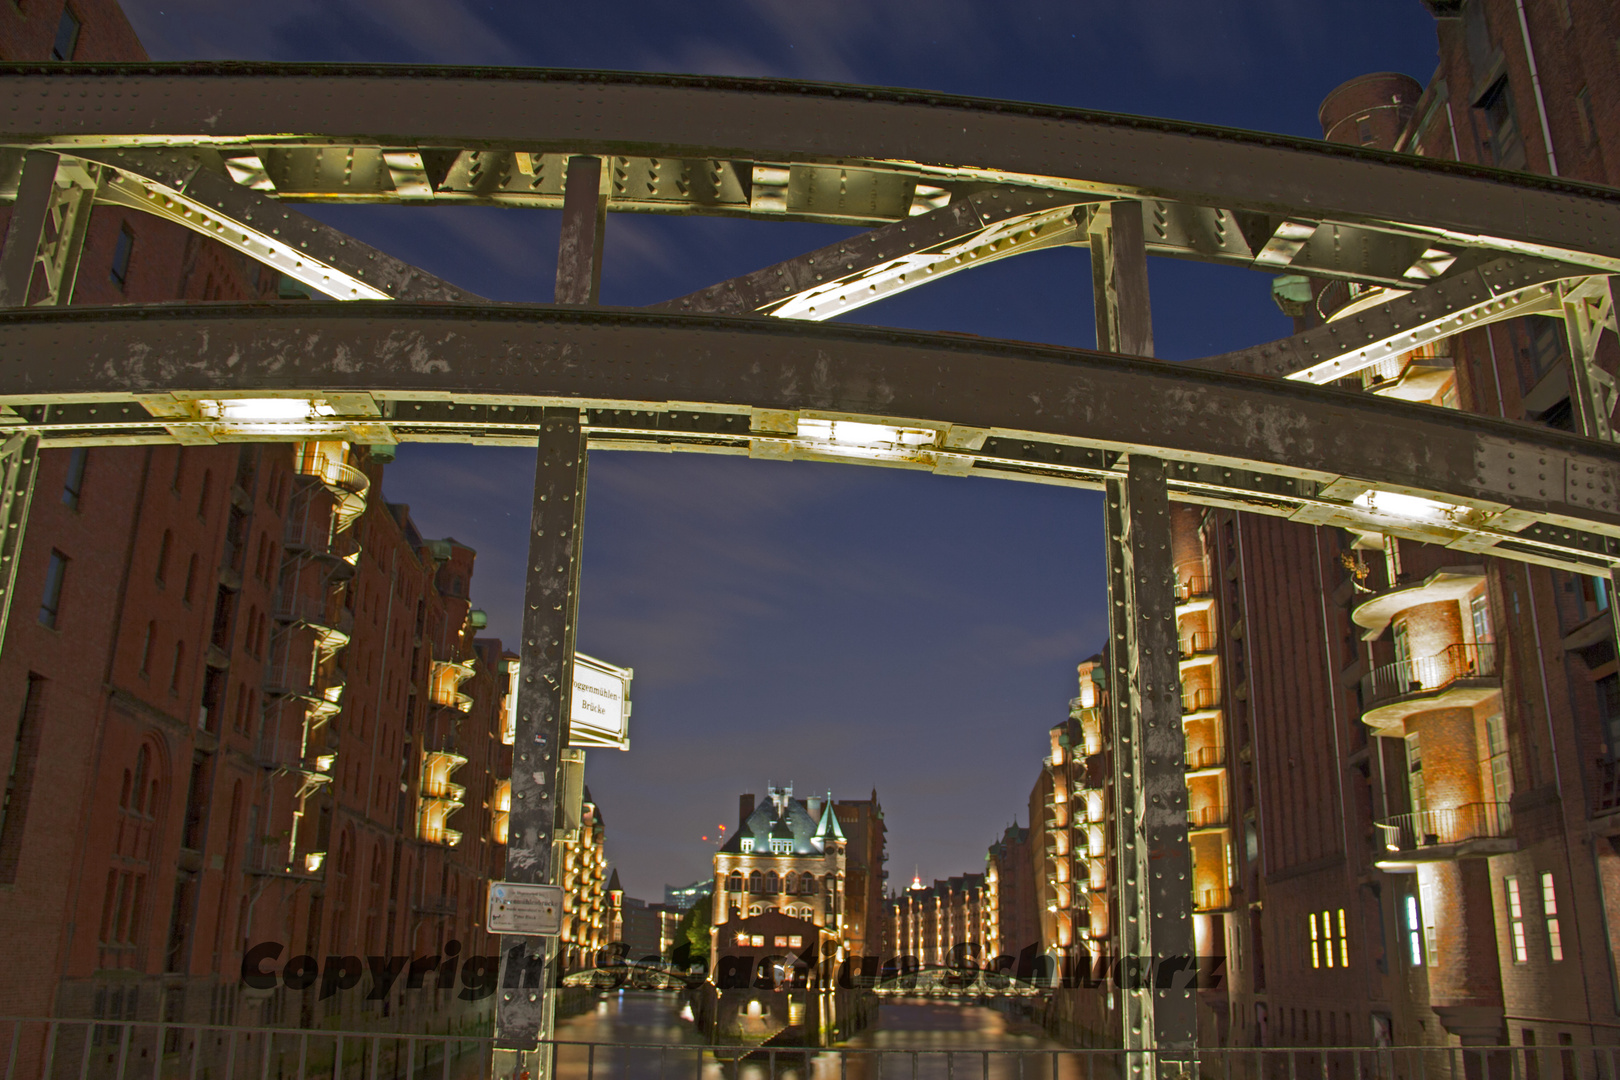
(807, 883)
(734, 883)
(162, 572)
(143, 762)
(772, 886)
(179, 666)
(756, 882)
(374, 899)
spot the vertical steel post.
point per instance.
(27, 227)
(1588, 309)
(527, 1005)
(1152, 860)
(47, 227)
(579, 249)
(1119, 279)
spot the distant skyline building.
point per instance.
(684, 897)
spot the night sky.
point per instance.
(827, 626)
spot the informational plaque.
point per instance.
(528, 910)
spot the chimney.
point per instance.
(745, 807)
(812, 806)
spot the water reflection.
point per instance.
(910, 1041)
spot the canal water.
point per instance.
(643, 1036)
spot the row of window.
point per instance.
(1323, 939)
(778, 847)
(1549, 912)
(768, 882)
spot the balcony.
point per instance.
(443, 789)
(1202, 704)
(348, 485)
(1472, 830)
(1193, 594)
(1205, 757)
(1456, 677)
(1608, 788)
(445, 684)
(1198, 648)
(1413, 376)
(1212, 816)
(331, 631)
(1212, 898)
(1447, 583)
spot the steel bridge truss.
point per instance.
(1425, 249)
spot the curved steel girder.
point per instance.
(1502, 289)
(951, 138)
(403, 371)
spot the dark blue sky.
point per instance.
(825, 625)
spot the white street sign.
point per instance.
(529, 910)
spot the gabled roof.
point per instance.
(792, 823)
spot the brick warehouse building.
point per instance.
(1410, 756)
(245, 702)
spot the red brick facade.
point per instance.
(242, 700)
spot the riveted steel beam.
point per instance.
(19, 463)
(579, 248)
(179, 186)
(1119, 282)
(1153, 861)
(839, 278)
(926, 139)
(46, 233)
(525, 1011)
(1502, 289)
(958, 451)
(937, 398)
(1587, 306)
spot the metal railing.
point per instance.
(1205, 757)
(1205, 697)
(1212, 898)
(1452, 825)
(35, 1049)
(1608, 787)
(1204, 817)
(1192, 588)
(1197, 642)
(1429, 673)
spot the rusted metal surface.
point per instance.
(919, 138)
(1151, 856)
(1501, 289)
(841, 277)
(398, 355)
(524, 1011)
(579, 248)
(179, 186)
(1119, 281)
